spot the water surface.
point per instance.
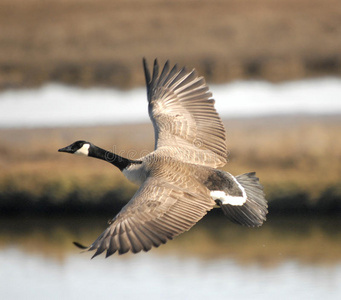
(59, 105)
(285, 259)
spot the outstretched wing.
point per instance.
(185, 121)
(158, 212)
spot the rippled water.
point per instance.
(287, 259)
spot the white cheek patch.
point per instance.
(84, 150)
(227, 199)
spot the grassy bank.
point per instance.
(102, 43)
(297, 159)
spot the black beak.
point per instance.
(66, 149)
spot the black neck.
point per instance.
(118, 161)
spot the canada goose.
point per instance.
(179, 181)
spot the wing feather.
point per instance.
(152, 218)
(183, 115)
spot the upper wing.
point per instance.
(158, 211)
(185, 121)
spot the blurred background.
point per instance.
(72, 70)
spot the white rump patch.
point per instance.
(84, 150)
(227, 199)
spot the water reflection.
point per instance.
(287, 258)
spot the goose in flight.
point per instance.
(179, 181)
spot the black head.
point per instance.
(79, 147)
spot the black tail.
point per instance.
(253, 211)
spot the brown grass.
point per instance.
(102, 42)
(299, 151)
(295, 157)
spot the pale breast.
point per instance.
(135, 173)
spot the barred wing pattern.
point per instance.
(158, 212)
(186, 124)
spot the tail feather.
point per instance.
(253, 211)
